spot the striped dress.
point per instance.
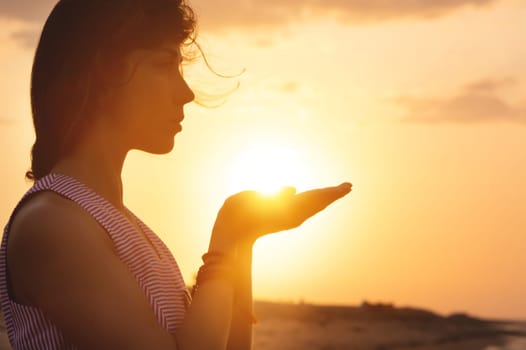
(162, 282)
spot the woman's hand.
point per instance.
(249, 215)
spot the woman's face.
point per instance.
(147, 111)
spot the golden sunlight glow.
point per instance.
(429, 129)
(268, 166)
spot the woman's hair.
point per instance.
(80, 51)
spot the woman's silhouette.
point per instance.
(78, 270)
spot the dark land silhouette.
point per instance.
(378, 327)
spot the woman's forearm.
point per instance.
(240, 337)
(208, 320)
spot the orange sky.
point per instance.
(421, 107)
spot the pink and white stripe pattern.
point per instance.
(160, 279)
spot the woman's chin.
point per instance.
(158, 147)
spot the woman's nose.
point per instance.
(185, 94)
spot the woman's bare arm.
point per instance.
(62, 261)
(240, 337)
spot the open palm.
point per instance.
(249, 214)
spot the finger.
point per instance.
(345, 187)
(311, 202)
(326, 194)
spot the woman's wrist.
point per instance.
(224, 244)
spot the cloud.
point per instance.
(288, 87)
(26, 38)
(26, 10)
(477, 102)
(250, 13)
(6, 122)
(489, 85)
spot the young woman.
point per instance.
(78, 270)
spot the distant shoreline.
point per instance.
(286, 326)
(424, 308)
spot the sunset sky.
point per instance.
(420, 104)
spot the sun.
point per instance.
(268, 166)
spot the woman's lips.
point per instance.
(177, 124)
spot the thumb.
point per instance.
(287, 191)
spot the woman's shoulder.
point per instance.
(49, 215)
(47, 208)
(44, 227)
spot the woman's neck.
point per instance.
(98, 165)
